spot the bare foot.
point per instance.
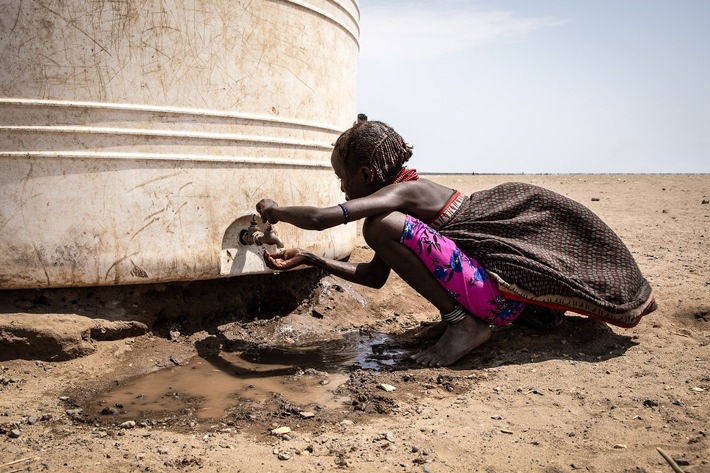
(432, 331)
(459, 339)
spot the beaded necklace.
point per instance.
(405, 174)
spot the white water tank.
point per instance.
(137, 136)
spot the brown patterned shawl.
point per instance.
(549, 250)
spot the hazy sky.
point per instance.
(534, 86)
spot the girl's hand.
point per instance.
(285, 259)
(265, 208)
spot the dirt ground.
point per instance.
(584, 397)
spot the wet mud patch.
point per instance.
(254, 387)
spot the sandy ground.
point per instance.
(585, 397)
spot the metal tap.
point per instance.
(254, 236)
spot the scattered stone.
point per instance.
(108, 411)
(74, 412)
(505, 431)
(129, 424)
(387, 387)
(281, 430)
(32, 420)
(619, 446)
(284, 456)
(697, 389)
(595, 199)
(306, 414)
(705, 201)
(650, 403)
(346, 423)
(14, 433)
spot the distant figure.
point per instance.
(515, 253)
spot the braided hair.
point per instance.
(374, 145)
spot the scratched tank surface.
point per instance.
(136, 138)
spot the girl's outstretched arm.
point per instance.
(371, 274)
(306, 217)
(319, 218)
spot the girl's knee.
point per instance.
(382, 228)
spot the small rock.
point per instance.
(697, 389)
(107, 411)
(74, 412)
(505, 431)
(14, 433)
(175, 361)
(619, 446)
(595, 199)
(281, 430)
(705, 201)
(129, 424)
(284, 456)
(306, 415)
(32, 420)
(387, 387)
(346, 423)
(650, 403)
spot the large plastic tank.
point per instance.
(137, 136)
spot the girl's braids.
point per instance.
(375, 145)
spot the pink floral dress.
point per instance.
(466, 281)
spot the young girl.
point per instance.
(516, 251)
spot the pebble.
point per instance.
(14, 433)
(387, 387)
(73, 412)
(284, 456)
(619, 446)
(281, 430)
(306, 414)
(129, 424)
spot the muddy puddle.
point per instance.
(210, 387)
